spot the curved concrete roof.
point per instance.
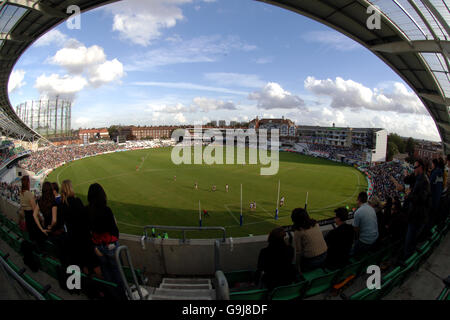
(413, 39)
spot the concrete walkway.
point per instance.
(426, 283)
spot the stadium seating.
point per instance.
(290, 292)
(257, 294)
(320, 280)
(12, 235)
(44, 290)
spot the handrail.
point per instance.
(217, 255)
(122, 274)
(184, 229)
(223, 292)
(20, 280)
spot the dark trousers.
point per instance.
(361, 248)
(412, 235)
(308, 264)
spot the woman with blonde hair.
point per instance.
(81, 251)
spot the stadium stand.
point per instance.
(398, 43)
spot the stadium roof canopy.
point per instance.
(413, 39)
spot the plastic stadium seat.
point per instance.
(392, 274)
(320, 281)
(373, 294)
(36, 285)
(129, 276)
(50, 248)
(238, 277)
(290, 292)
(258, 294)
(347, 274)
(49, 266)
(14, 242)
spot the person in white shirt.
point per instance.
(366, 226)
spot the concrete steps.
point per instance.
(183, 289)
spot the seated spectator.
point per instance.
(366, 226)
(339, 241)
(105, 234)
(310, 246)
(275, 262)
(80, 249)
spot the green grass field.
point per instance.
(150, 195)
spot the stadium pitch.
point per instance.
(144, 187)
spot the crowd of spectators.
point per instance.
(85, 236)
(335, 152)
(10, 191)
(51, 157)
(384, 177)
(376, 223)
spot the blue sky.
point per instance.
(184, 61)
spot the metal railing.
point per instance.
(223, 292)
(122, 274)
(20, 280)
(184, 229)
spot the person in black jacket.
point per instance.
(276, 261)
(80, 250)
(104, 232)
(339, 241)
(397, 222)
(417, 206)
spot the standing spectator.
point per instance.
(276, 261)
(436, 187)
(396, 222)
(56, 193)
(47, 206)
(310, 246)
(375, 203)
(28, 205)
(447, 178)
(418, 206)
(339, 241)
(105, 234)
(79, 245)
(366, 226)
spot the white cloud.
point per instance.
(187, 86)
(179, 117)
(53, 37)
(77, 59)
(16, 80)
(235, 79)
(66, 87)
(85, 66)
(333, 39)
(201, 49)
(199, 104)
(354, 95)
(206, 105)
(107, 72)
(273, 96)
(142, 22)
